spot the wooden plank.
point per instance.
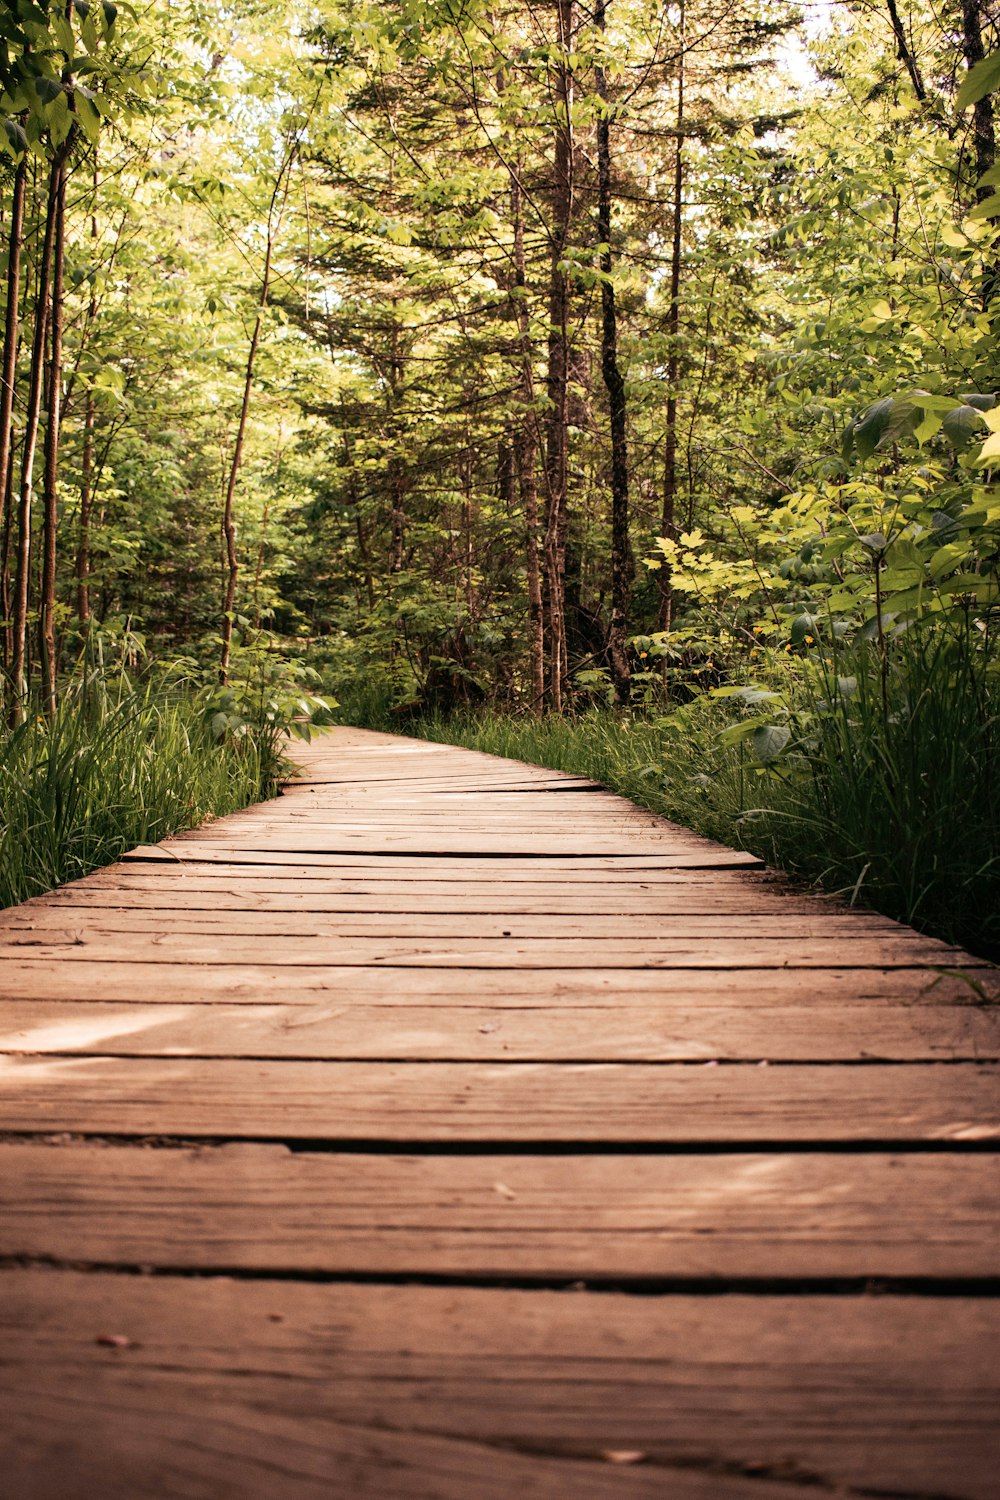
(471, 1031)
(153, 1440)
(448, 1102)
(881, 1394)
(442, 785)
(237, 894)
(475, 875)
(551, 1218)
(75, 942)
(639, 930)
(390, 839)
(167, 982)
(479, 863)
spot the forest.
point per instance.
(613, 385)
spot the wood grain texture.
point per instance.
(695, 929)
(476, 863)
(262, 1208)
(458, 1028)
(870, 1392)
(73, 942)
(450, 1102)
(517, 1030)
(162, 980)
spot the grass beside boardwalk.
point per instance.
(115, 768)
(892, 801)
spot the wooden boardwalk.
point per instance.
(449, 1129)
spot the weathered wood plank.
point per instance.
(613, 1218)
(152, 1438)
(475, 861)
(236, 894)
(447, 1102)
(637, 929)
(876, 1393)
(76, 941)
(624, 1031)
(391, 839)
(167, 981)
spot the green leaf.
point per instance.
(802, 626)
(886, 422)
(988, 209)
(17, 141)
(769, 740)
(748, 695)
(979, 81)
(869, 430)
(963, 425)
(737, 732)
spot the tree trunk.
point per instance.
(525, 455)
(47, 635)
(621, 553)
(397, 476)
(668, 521)
(274, 217)
(6, 630)
(87, 461)
(228, 510)
(86, 507)
(904, 53)
(31, 418)
(557, 434)
(8, 375)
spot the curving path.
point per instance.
(450, 1129)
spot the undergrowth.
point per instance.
(121, 763)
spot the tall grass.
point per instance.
(121, 763)
(887, 792)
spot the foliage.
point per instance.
(897, 811)
(386, 338)
(121, 763)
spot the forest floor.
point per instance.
(450, 1127)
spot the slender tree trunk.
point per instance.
(8, 375)
(397, 519)
(525, 455)
(274, 218)
(87, 461)
(31, 418)
(47, 635)
(904, 53)
(468, 527)
(557, 435)
(622, 566)
(228, 510)
(86, 509)
(668, 517)
(505, 474)
(397, 476)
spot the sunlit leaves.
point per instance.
(982, 79)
